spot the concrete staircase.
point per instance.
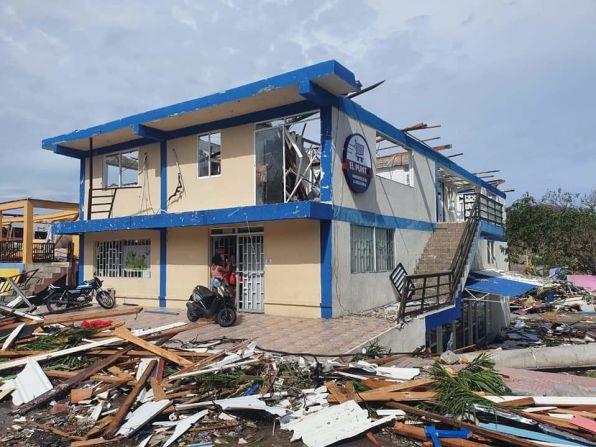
(440, 249)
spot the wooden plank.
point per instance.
(114, 425)
(124, 333)
(521, 402)
(486, 433)
(412, 431)
(158, 391)
(63, 388)
(54, 430)
(92, 315)
(585, 423)
(336, 392)
(96, 377)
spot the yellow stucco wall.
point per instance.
(292, 273)
(130, 201)
(143, 291)
(233, 187)
(188, 263)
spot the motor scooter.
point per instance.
(218, 304)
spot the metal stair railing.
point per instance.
(424, 292)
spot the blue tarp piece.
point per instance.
(497, 285)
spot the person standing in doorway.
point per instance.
(217, 272)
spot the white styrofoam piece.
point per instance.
(396, 373)
(564, 401)
(96, 413)
(30, 383)
(249, 403)
(333, 424)
(12, 336)
(142, 415)
(143, 364)
(390, 412)
(184, 425)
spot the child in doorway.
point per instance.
(217, 272)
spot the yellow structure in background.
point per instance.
(66, 211)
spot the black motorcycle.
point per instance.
(205, 303)
(60, 299)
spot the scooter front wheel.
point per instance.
(226, 316)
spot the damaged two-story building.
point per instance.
(324, 208)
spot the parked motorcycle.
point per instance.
(60, 299)
(205, 303)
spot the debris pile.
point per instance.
(99, 383)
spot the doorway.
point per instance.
(243, 247)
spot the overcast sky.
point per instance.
(513, 83)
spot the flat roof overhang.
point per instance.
(162, 123)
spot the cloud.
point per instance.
(510, 82)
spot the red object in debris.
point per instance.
(96, 324)
(59, 408)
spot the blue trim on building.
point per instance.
(437, 319)
(313, 72)
(163, 266)
(371, 219)
(82, 189)
(326, 246)
(81, 273)
(163, 176)
(245, 214)
(326, 155)
(492, 232)
(12, 265)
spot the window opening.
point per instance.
(287, 158)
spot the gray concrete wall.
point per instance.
(383, 196)
(499, 262)
(356, 292)
(405, 338)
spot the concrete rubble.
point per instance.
(73, 384)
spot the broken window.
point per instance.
(287, 159)
(371, 249)
(209, 154)
(393, 161)
(121, 169)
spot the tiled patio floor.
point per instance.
(334, 336)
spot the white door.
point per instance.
(250, 273)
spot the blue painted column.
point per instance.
(439, 193)
(326, 226)
(82, 188)
(326, 242)
(163, 232)
(326, 154)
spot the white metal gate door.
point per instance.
(251, 287)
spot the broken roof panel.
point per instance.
(497, 285)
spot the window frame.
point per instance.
(389, 256)
(112, 252)
(209, 162)
(119, 154)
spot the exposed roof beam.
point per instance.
(455, 155)
(487, 172)
(443, 147)
(430, 139)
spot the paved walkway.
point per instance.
(334, 336)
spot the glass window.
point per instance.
(362, 245)
(384, 249)
(209, 154)
(121, 169)
(123, 259)
(371, 249)
(129, 168)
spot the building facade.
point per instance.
(287, 177)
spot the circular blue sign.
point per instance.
(357, 163)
